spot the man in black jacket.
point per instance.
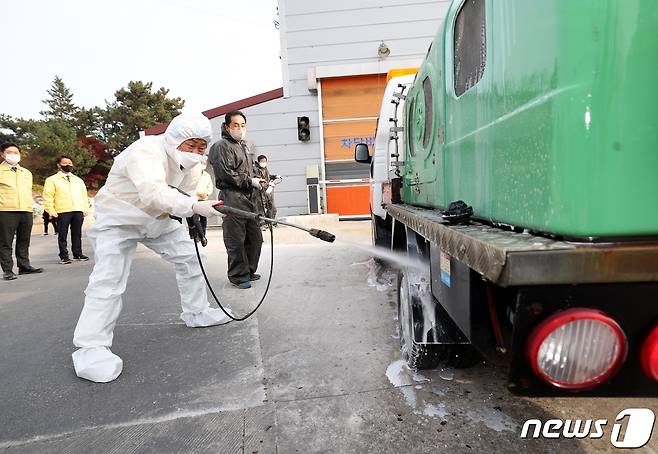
(232, 164)
(266, 206)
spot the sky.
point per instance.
(208, 52)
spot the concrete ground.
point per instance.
(316, 370)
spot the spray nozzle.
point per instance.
(323, 235)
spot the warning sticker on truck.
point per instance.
(445, 268)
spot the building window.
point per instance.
(470, 45)
(410, 127)
(429, 111)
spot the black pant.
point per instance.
(74, 219)
(271, 207)
(204, 223)
(19, 224)
(243, 239)
(47, 219)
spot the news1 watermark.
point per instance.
(637, 422)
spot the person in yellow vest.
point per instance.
(15, 212)
(65, 198)
(203, 190)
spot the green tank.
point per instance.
(541, 115)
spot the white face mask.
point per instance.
(12, 159)
(238, 135)
(262, 164)
(188, 159)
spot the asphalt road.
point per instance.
(316, 370)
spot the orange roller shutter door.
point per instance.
(350, 107)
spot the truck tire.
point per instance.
(381, 232)
(426, 356)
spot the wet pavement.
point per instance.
(316, 370)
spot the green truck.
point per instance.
(528, 190)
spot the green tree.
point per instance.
(89, 122)
(15, 129)
(7, 133)
(60, 103)
(60, 106)
(89, 136)
(46, 140)
(136, 108)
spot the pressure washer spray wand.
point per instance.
(195, 224)
(321, 234)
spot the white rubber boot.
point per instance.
(210, 316)
(97, 364)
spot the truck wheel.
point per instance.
(381, 232)
(417, 356)
(426, 356)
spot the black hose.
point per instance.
(226, 210)
(240, 213)
(239, 319)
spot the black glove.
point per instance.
(196, 230)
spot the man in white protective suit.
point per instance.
(134, 207)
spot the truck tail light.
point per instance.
(649, 355)
(577, 348)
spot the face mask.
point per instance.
(66, 169)
(188, 159)
(238, 134)
(262, 164)
(12, 159)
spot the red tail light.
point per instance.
(649, 355)
(577, 348)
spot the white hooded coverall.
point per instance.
(134, 206)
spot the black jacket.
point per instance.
(232, 164)
(263, 200)
(263, 172)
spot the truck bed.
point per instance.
(509, 259)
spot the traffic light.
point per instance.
(303, 129)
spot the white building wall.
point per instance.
(272, 131)
(336, 37)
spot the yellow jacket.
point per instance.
(61, 195)
(15, 188)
